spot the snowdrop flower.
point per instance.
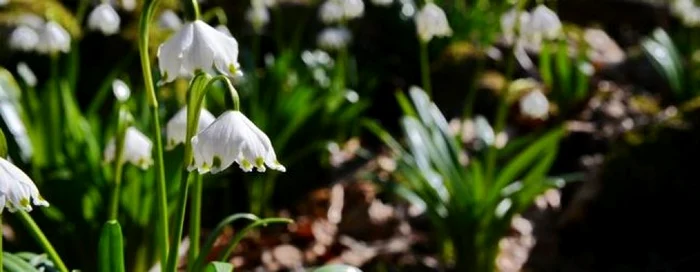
(128, 5)
(4, 2)
(535, 105)
(17, 190)
(198, 46)
(258, 16)
(176, 129)
(543, 23)
(233, 138)
(508, 23)
(121, 90)
(105, 19)
(31, 20)
(224, 29)
(483, 130)
(26, 74)
(382, 2)
(333, 11)
(53, 38)
(169, 20)
(431, 21)
(353, 8)
(24, 38)
(137, 149)
(333, 38)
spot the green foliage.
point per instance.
(337, 268)
(111, 248)
(664, 56)
(469, 210)
(219, 267)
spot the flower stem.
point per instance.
(114, 204)
(41, 239)
(122, 125)
(179, 221)
(144, 28)
(425, 68)
(193, 9)
(2, 236)
(195, 219)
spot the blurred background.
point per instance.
(564, 139)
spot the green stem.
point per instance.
(501, 117)
(55, 113)
(1, 250)
(195, 219)
(193, 9)
(114, 204)
(425, 68)
(161, 193)
(473, 88)
(240, 235)
(179, 221)
(216, 233)
(41, 239)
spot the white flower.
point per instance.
(53, 38)
(26, 74)
(105, 19)
(198, 46)
(137, 149)
(233, 138)
(382, 2)
(333, 11)
(32, 20)
(431, 21)
(535, 105)
(176, 129)
(24, 38)
(4, 2)
(258, 17)
(543, 23)
(508, 23)
(224, 29)
(169, 20)
(483, 130)
(333, 38)
(17, 190)
(121, 90)
(128, 5)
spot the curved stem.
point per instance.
(215, 234)
(41, 239)
(161, 193)
(425, 68)
(193, 11)
(217, 12)
(262, 222)
(195, 219)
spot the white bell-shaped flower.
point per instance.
(382, 2)
(198, 46)
(137, 149)
(535, 105)
(169, 20)
(331, 11)
(543, 24)
(353, 8)
(176, 129)
(510, 25)
(17, 190)
(105, 19)
(53, 38)
(431, 21)
(24, 38)
(233, 138)
(258, 17)
(26, 74)
(121, 90)
(333, 38)
(128, 5)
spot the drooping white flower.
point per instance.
(121, 90)
(233, 138)
(198, 46)
(510, 25)
(17, 190)
(128, 5)
(169, 20)
(53, 38)
(24, 38)
(105, 19)
(257, 15)
(431, 21)
(382, 2)
(543, 24)
(534, 105)
(333, 38)
(176, 129)
(224, 29)
(26, 74)
(333, 11)
(137, 149)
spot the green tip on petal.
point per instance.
(259, 162)
(24, 202)
(246, 164)
(216, 162)
(232, 69)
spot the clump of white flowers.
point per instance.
(198, 47)
(53, 38)
(257, 15)
(176, 129)
(687, 11)
(431, 21)
(333, 11)
(233, 138)
(534, 105)
(137, 149)
(105, 19)
(534, 27)
(334, 38)
(17, 190)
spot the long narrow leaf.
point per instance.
(111, 248)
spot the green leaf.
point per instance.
(215, 234)
(3, 145)
(337, 268)
(111, 248)
(12, 263)
(664, 63)
(219, 267)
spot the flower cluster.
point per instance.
(33, 34)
